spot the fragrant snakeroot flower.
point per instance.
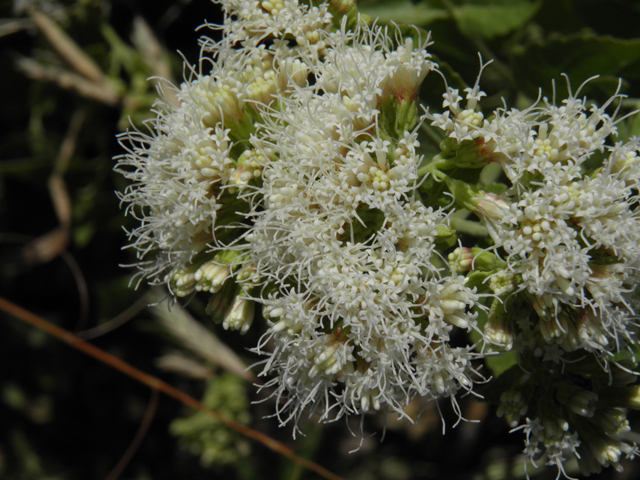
(289, 177)
(362, 317)
(569, 234)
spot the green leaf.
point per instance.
(580, 56)
(502, 362)
(500, 383)
(489, 21)
(403, 11)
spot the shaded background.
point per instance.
(64, 416)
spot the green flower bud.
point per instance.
(211, 275)
(554, 328)
(612, 420)
(512, 407)
(183, 282)
(502, 282)
(464, 259)
(249, 167)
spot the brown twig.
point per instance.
(46, 247)
(105, 93)
(156, 383)
(137, 440)
(67, 48)
(116, 321)
(153, 55)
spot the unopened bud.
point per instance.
(240, 314)
(498, 328)
(581, 402)
(492, 207)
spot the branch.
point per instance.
(156, 383)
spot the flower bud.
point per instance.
(512, 406)
(182, 282)
(501, 282)
(249, 167)
(240, 314)
(612, 420)
(554, 329)
(498, 329)
(581, 402)
(492, 207)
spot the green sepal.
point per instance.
(406, 116)
(241, 130)
(445, 238)
(397, 116)
(471, 154)
(464, 193)
(351, 21)
(478, 279)
(495, 188)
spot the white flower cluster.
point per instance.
(568, 228)
(287, 176)
(571, 230)
(362, 316)
(181, 169)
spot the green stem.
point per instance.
(434, 167)
(468, 227)
(461, 214)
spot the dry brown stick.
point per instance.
(154, 56)
(116, 321)
(102, 92)
(137, 440)
(46, 247)
(67, 48)
(156, 383)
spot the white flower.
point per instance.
(177, 173)
(605, 210)
(461, 124)
(549, 436)
(362, 317)
(251, 21)
(549, 142)
(542, 247)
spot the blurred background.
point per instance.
(75, 74)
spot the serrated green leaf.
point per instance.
(489, 21)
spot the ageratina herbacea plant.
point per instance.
(287, 179)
